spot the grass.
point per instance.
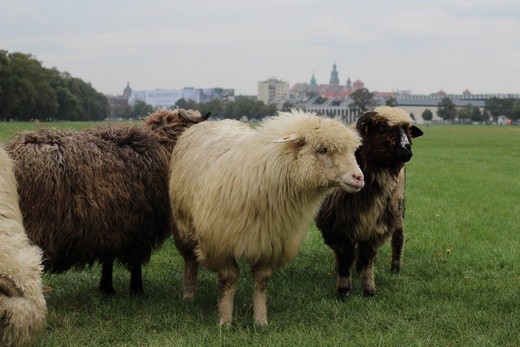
(459, 285)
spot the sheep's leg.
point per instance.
(345, 254)
(136, 280)
(227, 283)
(105, 284)
(397, 250)
(261, 276)
(191, 267)
(365, 266)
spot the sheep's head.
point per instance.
(325, 152)
(387, 134)
(164, 120)
(169, 124)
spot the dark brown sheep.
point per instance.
(356, 225)
(100, 194)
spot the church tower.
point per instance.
(127, 91)
(313, 85)
(349, 84)
(334, 76)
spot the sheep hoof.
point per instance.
(261, 324)
(395, 268)
(137, 293)
(108, 290)
(224, 323)
(369, 293)
(342, 294)
(189, 297)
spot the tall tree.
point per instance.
(30, 91)
(392, 102)
(499, 107)
(362, 98)
(446, 109)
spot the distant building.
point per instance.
(118, 102)
(273, 91)
(417, 104)
(168, 97)
(301, 92)
(127, 92)
(331, 99)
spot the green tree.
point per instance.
(446, 109)
(215, 106)
(515, 113)
(186, 104)
(427, 115)
(287, 106)
(30, 91)
(465, 112)
(392, 102)
(499, 107)
(362, 98)
(477, 116)
(141, 109)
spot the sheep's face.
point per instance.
(340, 169)
(328, 162)
(386, 141)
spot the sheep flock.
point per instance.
(227, 193)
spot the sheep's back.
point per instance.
(227, 183)
(86, 194)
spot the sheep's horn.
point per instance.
(8, 288)
(190, 116)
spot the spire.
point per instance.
(334, 75)
(313, 83)
(349, 84)
(127, 91)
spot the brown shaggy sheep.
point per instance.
(99, 194)
(356, 225)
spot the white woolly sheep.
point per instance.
(23, 311)
(356, 225)
(249, 194)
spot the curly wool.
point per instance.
(249, 194)
(98, 194)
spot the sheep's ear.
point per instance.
(289, 138)
(364, 121)
(416, 132)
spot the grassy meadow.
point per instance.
(459, 284)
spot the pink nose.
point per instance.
(358, 177)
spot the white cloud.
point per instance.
(422, 45)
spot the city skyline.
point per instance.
(422, 46)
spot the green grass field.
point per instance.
(459, 285)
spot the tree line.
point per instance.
(237, 109)
(493, 108)
(30, 91)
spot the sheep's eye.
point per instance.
(381, 128)
(321, 150)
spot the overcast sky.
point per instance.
(418, 45)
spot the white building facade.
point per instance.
(273, 91)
